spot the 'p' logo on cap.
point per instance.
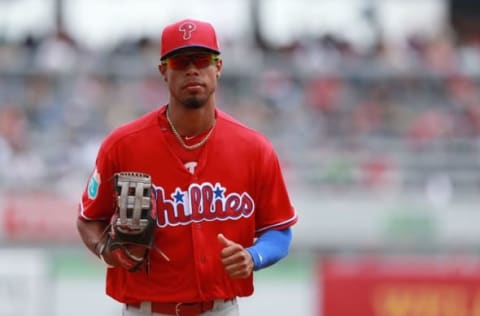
(188, 33)
(187, 28)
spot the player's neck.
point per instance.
(191, 122)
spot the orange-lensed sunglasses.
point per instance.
(181, 62)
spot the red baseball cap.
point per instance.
(188, 33)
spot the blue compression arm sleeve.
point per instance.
(270, 247)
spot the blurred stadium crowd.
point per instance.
(396, 119)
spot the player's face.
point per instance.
(192, 76)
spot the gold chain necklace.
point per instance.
(180, 139)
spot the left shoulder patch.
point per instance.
(94, 185)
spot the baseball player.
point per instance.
(222, 207)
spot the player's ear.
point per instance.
(219, 66)
(162, 69)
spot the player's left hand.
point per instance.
(235, 258)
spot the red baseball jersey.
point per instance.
(232, 185)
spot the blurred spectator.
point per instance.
(441, 55)
(57, 54)
(13, 128)
(19, 164)
(428, 127)
(378, 173)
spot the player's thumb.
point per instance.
(223, 240)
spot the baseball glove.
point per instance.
(132, 228)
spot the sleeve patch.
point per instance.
(94, 185)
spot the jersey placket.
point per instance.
(199, 242)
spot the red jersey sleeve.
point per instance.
(98, 200)
(274, 209)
